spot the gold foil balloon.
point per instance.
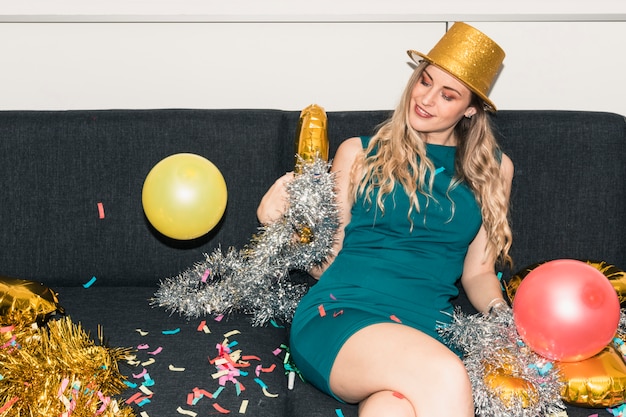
(615, 275)
(599, 381)
(184, 196)
(312, 136)
(311, 143)
(511, 389)
(26, 301)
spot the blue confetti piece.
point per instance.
(90, 283)
(275, 324)
(438, 170)
(339, 412)
(499, 275)
(217, 392)
(130, 384)
(260, 382)
(144, 402)
(173, 331)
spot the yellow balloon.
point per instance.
(184, 196)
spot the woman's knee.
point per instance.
(386, 403)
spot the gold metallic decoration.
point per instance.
(311, 143)
(59, 370)
(504, 380)
(599, 381)
(26, 301)
(615, 275)
(511, 389)
(311, 136)
(469, 55)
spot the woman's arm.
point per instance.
(479, 277)
(274, 203)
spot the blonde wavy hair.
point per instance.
(397, 154)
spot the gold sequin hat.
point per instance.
(469, 55)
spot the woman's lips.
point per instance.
(422, 113)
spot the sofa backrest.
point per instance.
(56, 167)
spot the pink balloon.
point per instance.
(566, 310)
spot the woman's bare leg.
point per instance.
(387, 358)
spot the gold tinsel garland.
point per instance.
(58, 370)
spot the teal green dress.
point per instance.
(386, 272)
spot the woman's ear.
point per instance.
(470, 112)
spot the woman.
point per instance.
(423, 203)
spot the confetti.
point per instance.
(186, 412)
(141, 332)
(156, 351)
(90, 282)
(291, 380)
(145, 390)
(275, 324)
(220, 409)
(339, 412)
(175, 369)
(141, 374)
(394, 318)
(231, 333)
(201, 325)
(173, 331)
(206, 275)
(243, 407)
(143, 347)
(219, 317)
(337, 313)
(148, 362)
(321, 310)
(101, 210)
(130, 384)
(398, 395)
(143, 414)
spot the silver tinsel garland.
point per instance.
(492, 342)
(255, 279)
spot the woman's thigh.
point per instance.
(397, 358)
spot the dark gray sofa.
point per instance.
(568, 200)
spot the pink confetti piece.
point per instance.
(143, 346)
(141, 374)
(206, 274)
(8, 404)
(62, 387)
(219, 318)
(394, 318)
(6, 329)
(337, 313)
(133, 398)
(332, 297)
(398, 395)
(156, 351)
(277, 351)
(251, 358)
(321, 310)
(100, 210)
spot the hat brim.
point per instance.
(418, 57)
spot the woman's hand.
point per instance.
(275, 201)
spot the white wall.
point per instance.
(164, 54)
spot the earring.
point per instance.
(468, 116)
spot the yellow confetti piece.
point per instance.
(219, 374)
(269, 394)
(205, 329)
(231, 333)
(186, 412)
(243, 407)
(148, 362)
(143, 414)
(175, 369)
(141, 332)
(145, 390)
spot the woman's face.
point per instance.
(438, 102)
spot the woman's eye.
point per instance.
(447, 98)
